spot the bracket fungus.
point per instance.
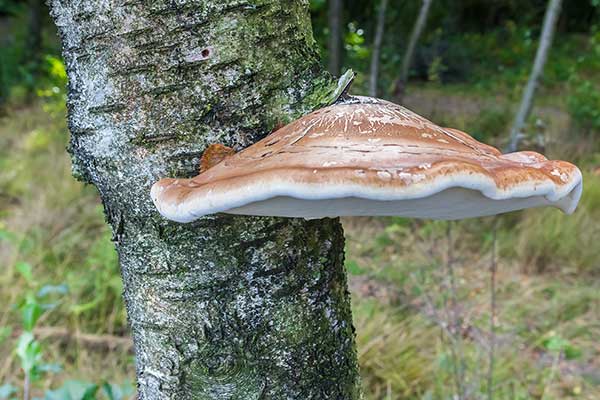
(365, 156)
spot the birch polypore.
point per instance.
(367, 156)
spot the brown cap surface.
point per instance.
(370, 157)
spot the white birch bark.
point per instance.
(227, 307)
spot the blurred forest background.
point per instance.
(429, 325)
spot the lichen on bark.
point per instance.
(226, 307)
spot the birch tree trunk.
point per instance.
(226, 307)
(376, 55)
(400, 86)
(550, 19)
(335, 36)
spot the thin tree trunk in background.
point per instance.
(550, 19)
(400, 86)
(335, 36)
(33, 42)
(377, 48)
(4, 41)
(227, 307)
(32, 55)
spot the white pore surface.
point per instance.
(449, 204)
(447, 197)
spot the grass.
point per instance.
(411, 341)
(546, 322)
(53, 226)
(548, 240)
(391, 351)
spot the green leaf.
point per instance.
(572, 352)
(25, 270)
(73, 390)
(56, 68)
(29, 351)
(90, 393)
(8, 236)
(54, 368)
(353, 268)
(555, 343)
(108, 391)
(53, 289)
(30, 313)
(7, 390)
(117, 392)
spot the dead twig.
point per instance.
(110, 342)
(455, 321)
(492, 343)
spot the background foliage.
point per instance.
(422, 312)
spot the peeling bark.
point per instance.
(226, 307)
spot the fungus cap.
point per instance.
(367, 156)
